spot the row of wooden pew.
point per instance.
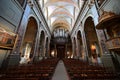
(42, 70)
(80, 70)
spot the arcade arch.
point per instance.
(28, 44)
(91, 40)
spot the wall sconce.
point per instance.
(53, 53)
(93, 47)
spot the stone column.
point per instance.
(55, 51)
(77, 49)
(85, 47)
(72, 47)
(36, 51)
(65, 50)
(48, 48)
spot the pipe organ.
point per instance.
(60, 35)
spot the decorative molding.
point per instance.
(8, 21)
(92, 2)
(30, 3)
(85, 5)
(106, 15)
(41, 18)
(17, 5)
(103, 4)
(107, 19)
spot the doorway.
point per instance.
(60, 51)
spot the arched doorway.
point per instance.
(28, 45)
(41, 44)
(91, 40)
(80, 45)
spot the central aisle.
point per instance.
(60, 72)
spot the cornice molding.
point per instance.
(78, 20)
(103, 4)
(42, 18)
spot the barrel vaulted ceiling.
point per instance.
(61, 12)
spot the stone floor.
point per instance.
(60, 72)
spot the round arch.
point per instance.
(37, 21)
(29, 40)
(84, 20)
(92, 42)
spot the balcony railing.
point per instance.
(113, 44)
